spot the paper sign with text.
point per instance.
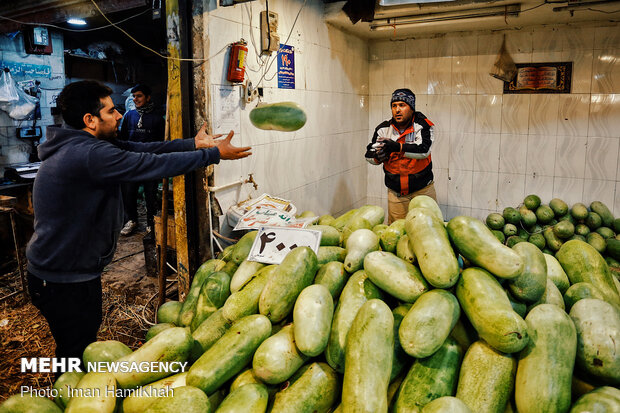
(272, 244)
(271, 217)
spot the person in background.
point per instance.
(142, 124)
(78, 207)
(403, 145)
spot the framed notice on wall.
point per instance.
(541, 78)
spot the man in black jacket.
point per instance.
(143, 124)
(78, 205)
(402, 145)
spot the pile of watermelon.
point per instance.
(548, 226)
(420, 315)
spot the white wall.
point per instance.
(493, 149)
(320, 167)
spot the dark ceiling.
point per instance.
(134, 16)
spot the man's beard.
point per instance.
(110, 136)
(405, 122)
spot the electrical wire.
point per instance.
(137, 42)
(601, 11)
(285, 42)
(75, 30)
(257, 55)
(535, 7)
(179, 59)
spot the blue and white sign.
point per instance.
(27, 69)
(286, 67)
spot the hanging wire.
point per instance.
(140, 44)
(285, 42)
(75, 30)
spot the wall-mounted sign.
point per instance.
(286, 67)
(541, 78)
(227, 109)
(272, 244)
(27, 69)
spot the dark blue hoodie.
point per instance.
(77, 200)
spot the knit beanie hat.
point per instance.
(404, 95)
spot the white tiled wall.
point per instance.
(320, 167)
(493, 149)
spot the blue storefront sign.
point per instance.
(27, 69)
(286, 67)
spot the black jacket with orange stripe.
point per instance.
(410, 169)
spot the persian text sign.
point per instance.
(286, 67)
(261, 216)
(272, 244)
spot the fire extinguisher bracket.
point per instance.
(236, 63)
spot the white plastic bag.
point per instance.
(13, 100)
(8, 89)
(22, 108)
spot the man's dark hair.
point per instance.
(80, 98)
(142, 88)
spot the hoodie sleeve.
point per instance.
(109, 163)
(176, 145)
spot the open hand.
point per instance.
(229, 151)
(203, 140)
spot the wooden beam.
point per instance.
(173, 23)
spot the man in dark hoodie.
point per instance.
(403, 145)
(78, 205)
(143, 124)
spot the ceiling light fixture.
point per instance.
(511, 10)
(77, 22)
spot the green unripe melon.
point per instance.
(582, 229)
(593, 220)
(510, 230)
(544, 214)
(597, 241)
(522, 232)
(564, 229)
(495, 221)
(559, 207)
(532, 202)
(528, 217)
(513, 240)
(499, 235)
(606, 232)
(538, 239)
(579, 211)
(567, 217)
(512, 216)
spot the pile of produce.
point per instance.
(418, 316)
(548, 226)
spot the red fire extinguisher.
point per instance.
(236, 64)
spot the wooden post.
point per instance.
(173, 26)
